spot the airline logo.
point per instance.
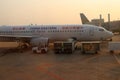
(72, 27)
(42, 28)
(46, 28)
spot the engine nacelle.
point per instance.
(39, 41)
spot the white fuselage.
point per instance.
(56, 32)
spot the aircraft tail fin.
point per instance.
(83, 18)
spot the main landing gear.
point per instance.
(23, 46)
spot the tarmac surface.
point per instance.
(50, 66)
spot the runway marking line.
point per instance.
(53, 75)
(116, 58)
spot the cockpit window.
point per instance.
(101, 29)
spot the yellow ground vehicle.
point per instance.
(90, 47)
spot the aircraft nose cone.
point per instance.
(111, 34)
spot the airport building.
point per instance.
(97, 21)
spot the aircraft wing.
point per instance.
(16, 36)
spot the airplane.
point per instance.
(32, 33)
(112, 25)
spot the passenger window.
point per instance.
(101, 29)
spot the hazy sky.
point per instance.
(25, 12)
